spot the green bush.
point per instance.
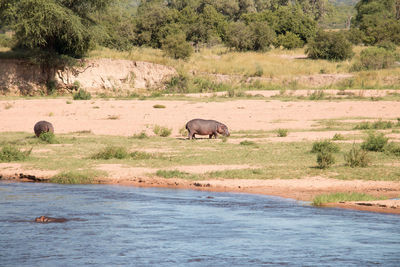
(317, 95)
(158, 106)
(73, 177)
(325, 145)
(10, 153)
(356, 157)
(340, 197)
(140, 155)
(282, 132)
(82, 94)
(175, 46)
(325, 159)
(329, 45)
(111, 152)
(338, 136)
(141, 135)
(162, 131)
(289, 40)
(375, 58)
(375, 142)
(48, 137)
(393, 148)
(365, 125)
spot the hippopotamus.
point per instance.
(206, 127)
(44, 219)
(43, 127)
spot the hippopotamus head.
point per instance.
(41, 219)
(222, 129)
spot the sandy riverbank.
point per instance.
(134, 116)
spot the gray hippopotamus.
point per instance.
(43, 127)
(206, 127)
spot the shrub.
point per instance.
(162, 131)
(282, 132)
(10, 153)
(375, 125)
(325, 145)
(183, 131)
(175, 46)
(48, 137)
(329, 45)
(375, 58)
(338, 136)
(82, 94)
(111, 152)
(178, 84)
(325, 159)
(289, 40)
(73, 177)
(375, 142)
(141, 135)
(158, 106)
(393, 148)
(356, 157)
(140, 155)
(247, 143)
(317, 95)
(340, 197)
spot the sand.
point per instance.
(135, 116)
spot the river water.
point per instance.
(128, 226)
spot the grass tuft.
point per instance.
(282, 132)
(10, 153)
(162, 131)
(141, 135)
(356, 157)
(325, 145)
(375, 142)
(341, 197)
(48, 137)
(176, 174)
(74, 177)
(111, 152)
(158, 106)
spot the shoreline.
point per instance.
(290, 189)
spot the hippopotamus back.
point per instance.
(43, 127)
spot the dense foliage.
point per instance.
(61, 26)
(330, 45)
(379, 20)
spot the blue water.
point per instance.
(128, 226)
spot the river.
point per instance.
(129, 226)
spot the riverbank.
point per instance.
(299, 189)
(254, 159)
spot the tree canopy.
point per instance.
(61, 26)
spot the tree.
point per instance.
(330, 45)
(175, 46)
(57, 26)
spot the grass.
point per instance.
(282, 132)
(248, 143)
(274, 160)
(111, 152)
(158, 106)
(48, 137)
(75, 177)
(162, 131)
(342, 197)
(176, 174)
(10, 153)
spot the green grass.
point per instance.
(9, 153)
(271, 160)
(342, 197)
(162, 131)
(158, 106)
(111, 152)
(176, 174)
(75, 177)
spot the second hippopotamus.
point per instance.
(206, 127)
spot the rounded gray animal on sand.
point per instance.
(206, 127)
(43, 127)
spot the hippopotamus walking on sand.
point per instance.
(43, 127)
(206, 127)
